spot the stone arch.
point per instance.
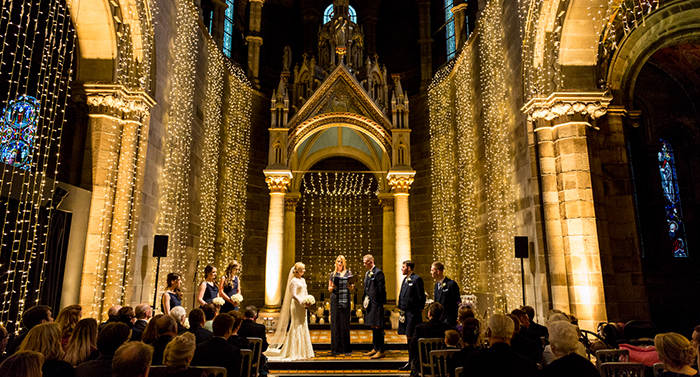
(579, 40)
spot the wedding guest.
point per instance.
(31, 317)
(196, 326)
(167, 330)
(177, 358)
(462, 315)
(108, 341)
(45, 338)
(143, 313)
(525, 328)
(340, 307)
(411, 304)
(446, 292)
(82, 343)
(67, 319)
(126, 316)
(523, 345)
(230, 285)
(172, 296)
(471, 339)
(695, 341)
(239, 341)
(451, 339)
(677, 354)
(541, 330)
(434, 328)
(557, 316)
(150, 333)
(251, 329)
(208, 289)
(111, 317)
(563, 338)
(218, 351)
(375, 296)
(210, 312)
(132, 359)
(178, 313)
(24, 363)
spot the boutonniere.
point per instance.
(371, 275)
(409, 281)
(444, 285)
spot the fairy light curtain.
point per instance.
(669, 186)
(38, 42)
(336, 220)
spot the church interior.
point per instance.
(545, 151)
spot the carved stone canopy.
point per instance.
(567, 107)
(114, 100)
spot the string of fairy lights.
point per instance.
(34, 97)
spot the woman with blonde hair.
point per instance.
(23, 363)
(340, 285)
(230, 285)
(45, 338)
(67, 318)
(82, 343)
(677, 354)
(177, 357)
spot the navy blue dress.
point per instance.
(210, 293)
(230, 290)
(174, 301)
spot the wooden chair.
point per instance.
(246, 361)
(213, 371)
(458, 372)
(611, 356)
(425, 345)
(658, 368)
(622, 369)
(438, 362)
(256, 347)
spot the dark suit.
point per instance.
(219, 352)
(431, 329)
(250, 329)
(498, 361)
(100, 367)
(447, 294)
(571, 365)
(411, 302)
(375, 289)
(159, 348)
(526, 347)
(137, 330)
(201, 334)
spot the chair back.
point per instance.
(458, 372)
(438, 362)
(213, 371)
(425, 345)
(611, 356)
(246, 361)
(622, 370)
(256, 347)
(658, 368)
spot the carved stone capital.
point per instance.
(290, 204)
(114, 100)
(277, 180)
(387, 204)
(400, 182)
(253, 39)
(567, 107)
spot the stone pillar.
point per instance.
(277, 181)
(217, 29)
(561, 122)
(392, 265)
(118, 122)
(461, 26)
(400, 183)
(425, 42)
(290, 207)
(254, 41)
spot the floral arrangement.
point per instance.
(218, 301)
(309, 300)
(237, 298)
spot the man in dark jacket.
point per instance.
(201, 334)
(446, 292)
(251, 329)
(112, 336)
(167, 331)
(143, 313)
(375, 296)
(218, 351)
(33, 316)
(434, 328)
(411, 303)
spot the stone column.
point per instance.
(290, 207)
(562, 121)
(254, 41)
(461, 26)
(425, 42)
(392, 265)
(400, 183)
(277, 181)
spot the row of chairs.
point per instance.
(616, 363)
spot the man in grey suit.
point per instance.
(411, 303)
(375, 298)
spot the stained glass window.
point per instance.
(228, 28)
(672, 205)
(450, 30)
(18, 129)
(328, 14)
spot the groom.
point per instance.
(375, 298)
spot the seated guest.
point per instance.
(523, 345)
(677, 354)
(178, 313)
(196, 326)
(112, 316)
(563, 338)
(499, 360)
(150, 333)
(471, 339)
(132, 359)
(434, 328)
(250, 329)
(525, 328)
(210, 312)
(541, 330)
(67, 319)
(451, 339)
(31, 317)
(166, 327)
(218, 351)
(177, 358)
(143, 313)
(45, 338)
(464, 313)
(83, 342)
(112, 336)
(695, 341)
(126, 316)
(557, 316)
(25, 364)
(239, 341)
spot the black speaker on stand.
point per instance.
(160, 250)
(521, 251)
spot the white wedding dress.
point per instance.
(297, 342)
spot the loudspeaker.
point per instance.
(160, 246)
(521, 245)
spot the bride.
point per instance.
(295, 343)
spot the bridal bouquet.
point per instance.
(309, 300)
(237, 298)
(218, 301)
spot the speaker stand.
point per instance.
(155, 295)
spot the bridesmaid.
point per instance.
(230, 285)
(208, 289)
(340, 307)
(172, 296)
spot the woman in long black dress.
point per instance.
(208, 290)
(230, 285)
(339, 286)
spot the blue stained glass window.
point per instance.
(450, 30)
(328, 14)
(674, 215)
(18, 130)
(228, 28)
